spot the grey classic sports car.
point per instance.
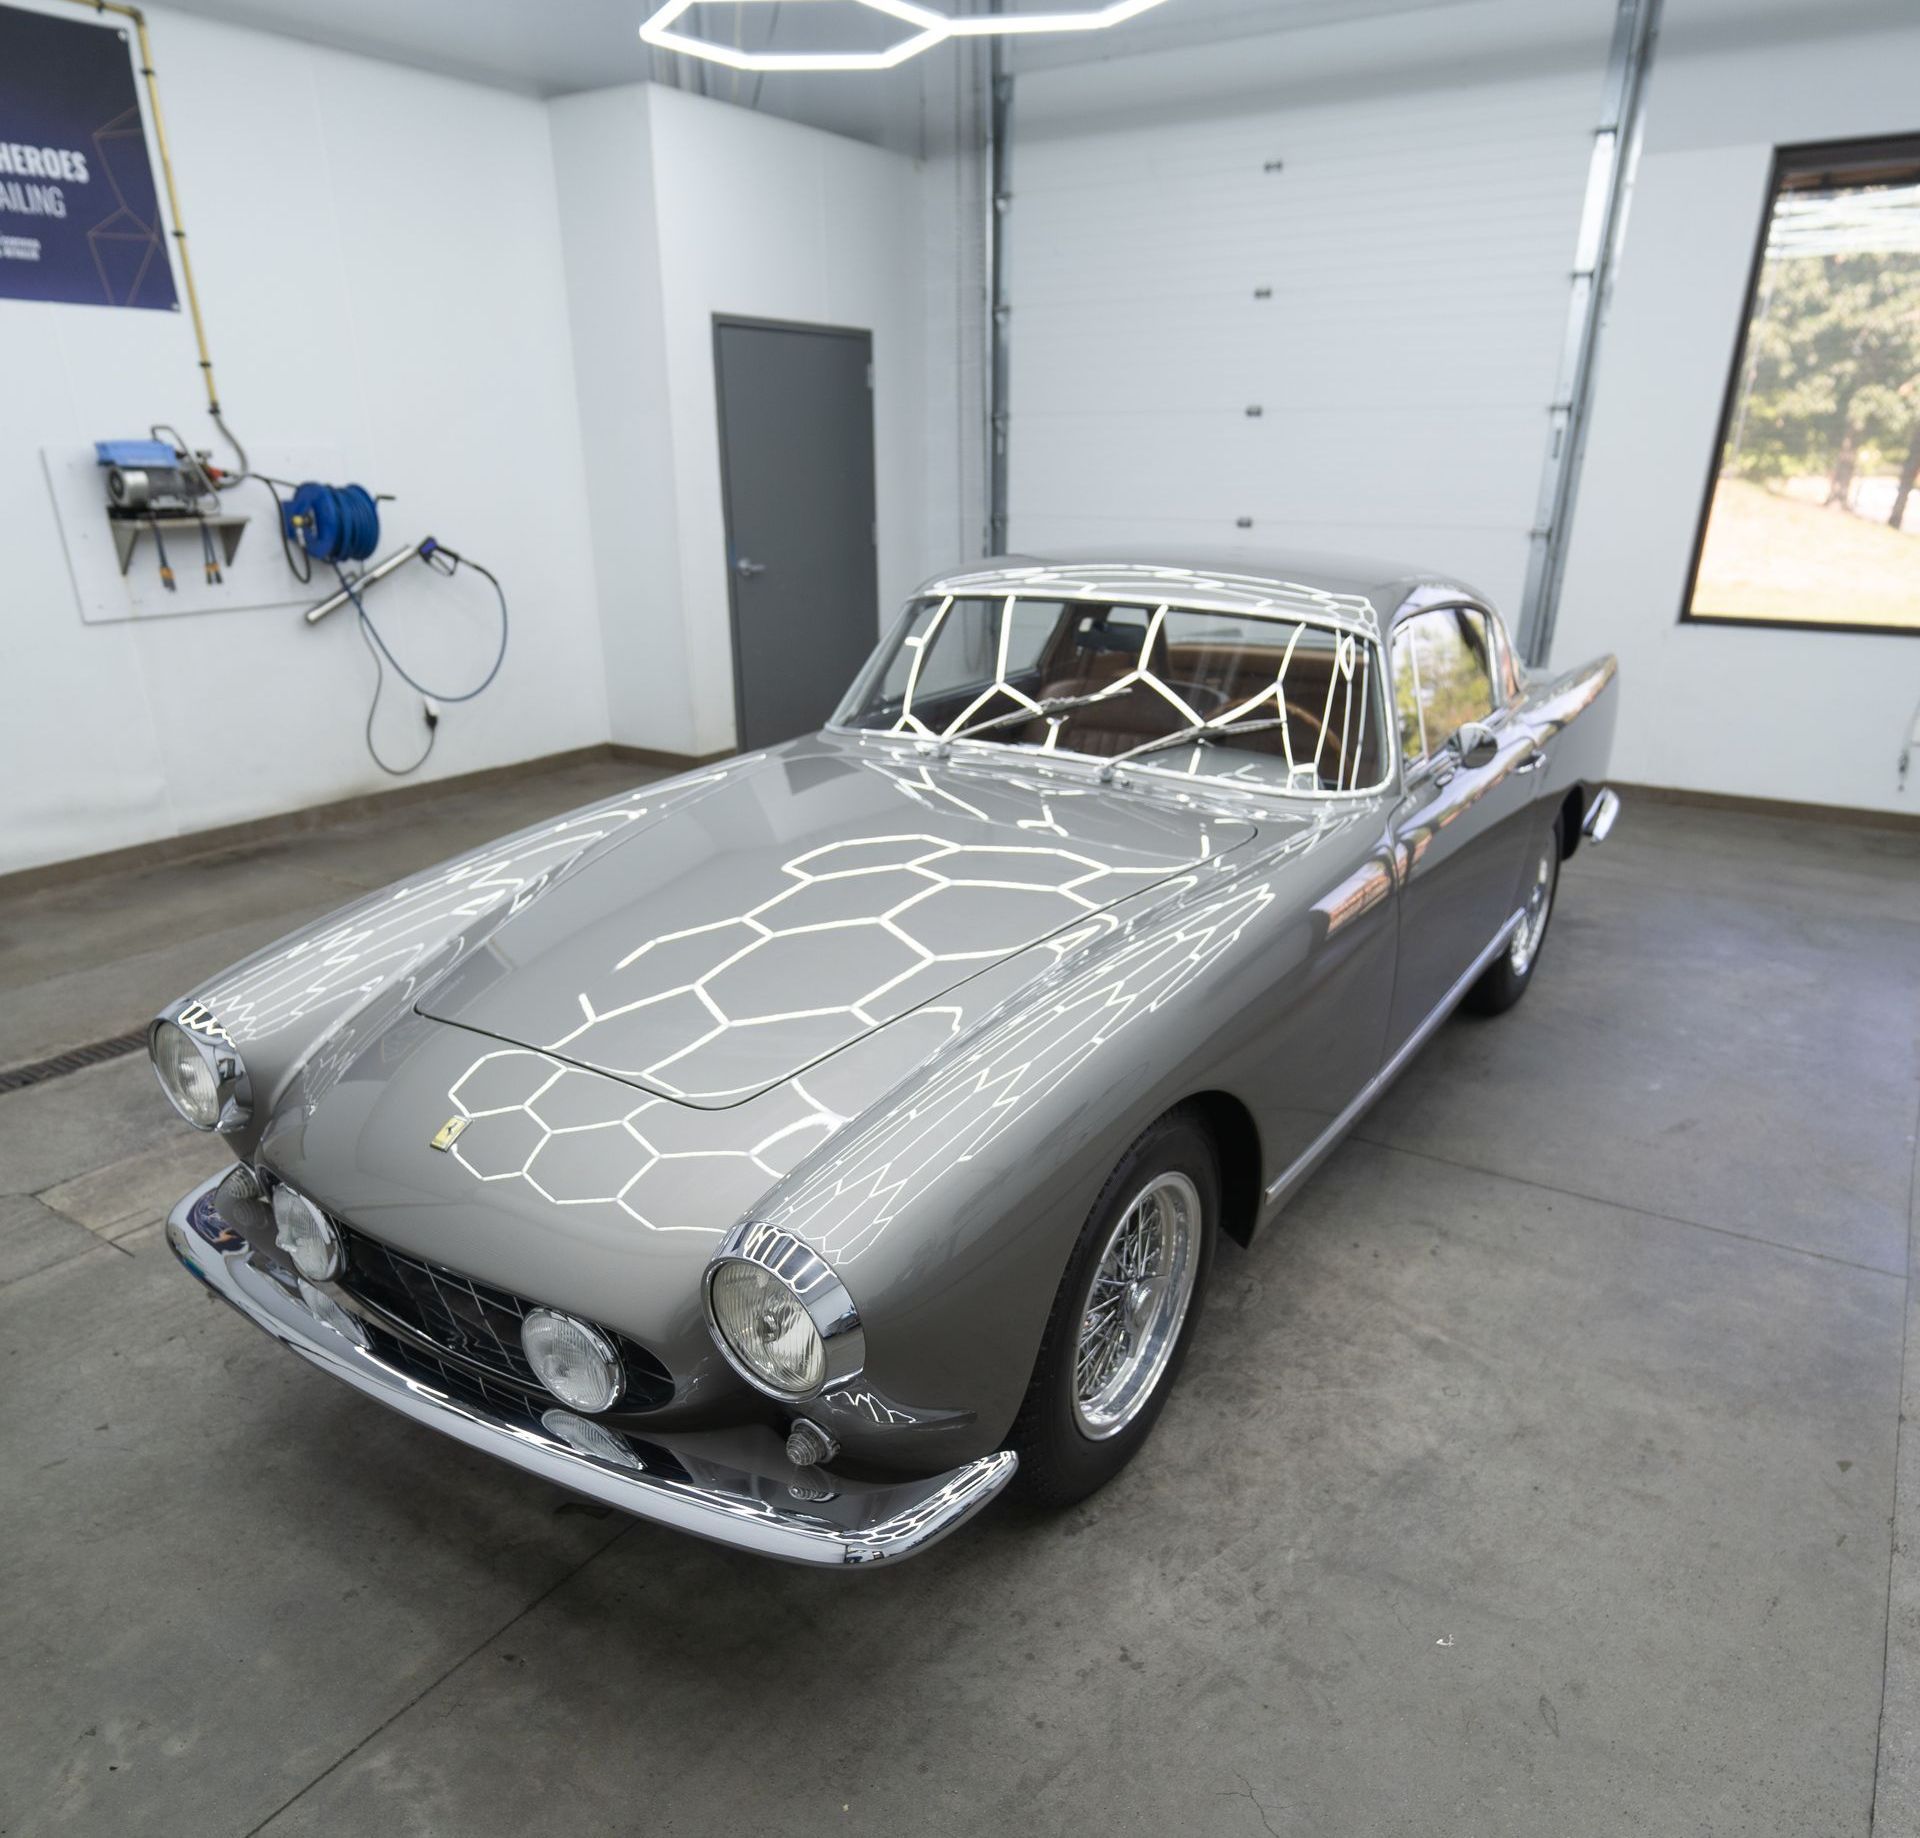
(801, 1151)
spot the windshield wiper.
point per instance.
(1200, 731)
(1047, 705)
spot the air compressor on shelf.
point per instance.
(157, 487)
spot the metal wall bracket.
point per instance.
(127, 532)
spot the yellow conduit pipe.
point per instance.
(138, 18)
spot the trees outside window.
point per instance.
(1813, 512)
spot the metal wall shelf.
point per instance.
(127, 532)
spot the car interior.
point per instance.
(1211, 662)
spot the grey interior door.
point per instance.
(796, 463)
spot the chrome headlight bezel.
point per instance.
(807, 1277)
(232, 1089)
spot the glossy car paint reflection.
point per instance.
(905, 1000)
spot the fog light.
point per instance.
(572, 1360)
(307, 1236)
(586, 1438)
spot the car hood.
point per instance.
(808, 900)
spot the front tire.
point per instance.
(1505, 980)
(1123, 1316)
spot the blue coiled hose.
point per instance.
(333, 523)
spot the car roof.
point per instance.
(1231, 580)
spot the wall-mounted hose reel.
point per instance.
(332, 523)
(340, 524)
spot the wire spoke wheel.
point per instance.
(1136, 1305)
(1533, 922)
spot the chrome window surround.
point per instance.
(813, 1285)
(214, 1045)
(1502, 664)
(1152, 591)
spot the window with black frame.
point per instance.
(1813, 513)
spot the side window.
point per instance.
(1406, 694)
(1442, 677)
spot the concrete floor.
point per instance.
(1537, 1475)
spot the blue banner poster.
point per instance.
(79, 218)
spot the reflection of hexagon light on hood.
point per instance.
(930, 28)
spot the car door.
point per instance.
(1459, 830)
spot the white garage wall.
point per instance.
(1417, 243)
(610, 235)
(753, 217)
(953, 193)
(1805, 716)
(379, 262)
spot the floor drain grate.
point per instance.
(17, 1078)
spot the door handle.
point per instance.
(1532, 763)
(746, 570)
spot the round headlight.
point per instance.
(307, 1236)
(185, 1075)
(572, 1360)
(767, 1328)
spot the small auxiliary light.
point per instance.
(573, 1360)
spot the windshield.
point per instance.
(1205, 694)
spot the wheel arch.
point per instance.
(1573, 811)
(1236, 1141)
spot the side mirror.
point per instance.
(1476, 745)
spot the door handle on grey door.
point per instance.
(746, 570)
(1532, 763)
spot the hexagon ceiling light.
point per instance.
(929, 28)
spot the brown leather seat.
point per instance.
(1211, 679)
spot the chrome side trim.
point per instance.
(859, 1524)
(1280, 1190)
(1597, 825)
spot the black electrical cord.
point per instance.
(280, 523)
(457, 561)
(373, 708)
(443, 561)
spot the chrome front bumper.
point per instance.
(861, 1523)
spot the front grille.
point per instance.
(475, 1322)
(502, 1402)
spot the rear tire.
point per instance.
(1123, 1316)
(1505, 980)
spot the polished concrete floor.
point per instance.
(1536, 1475)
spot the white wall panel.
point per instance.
(377, 255)
(1808, 717)
(678, 208)
(1416, 249)
(1417, 244)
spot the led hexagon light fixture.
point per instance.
(929, 28)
